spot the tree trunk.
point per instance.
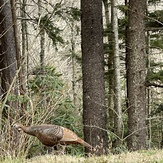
(149, 101)
(94, 110)
(8, 63)
(72, 51)
(136, 74)
(8, 67)
(24, 43)
(43, 98)
(42, 37)
(117, 84)
(18, 52)
(110, 77)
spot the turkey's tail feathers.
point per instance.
(84, 143)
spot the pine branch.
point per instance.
(148, 84)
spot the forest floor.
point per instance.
(145, 156)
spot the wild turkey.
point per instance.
(51, 135)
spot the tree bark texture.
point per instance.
(117, 78)
(110, 81)
(8, 63)
(136, 74)
(94, 110)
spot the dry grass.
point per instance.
(148, 156)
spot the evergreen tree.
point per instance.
(136, 75)
(94, 110)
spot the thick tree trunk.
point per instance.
(8, 67)
(136, 74)
(94, 110)
(8, 63)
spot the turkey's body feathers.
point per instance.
(51, 135)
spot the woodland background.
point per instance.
(43, 67)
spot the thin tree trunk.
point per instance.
(117, 84)
(110, 72)
(42, 52)
(42, 37)
(106, 10)
(23, 43)
(73, 64)
(24, 49)
(18, 52)
(149, 122)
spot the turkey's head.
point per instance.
(17, 126)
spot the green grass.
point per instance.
(144, 156)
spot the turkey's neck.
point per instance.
(28, 130)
